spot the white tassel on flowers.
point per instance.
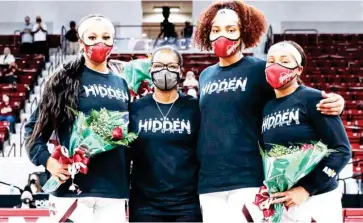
(73, 168)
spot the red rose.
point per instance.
(117, 134)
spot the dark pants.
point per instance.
(181, 217)
(41, 47)
(9, 79)
(26, 48)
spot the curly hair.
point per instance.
(252, 23)
(60, 93)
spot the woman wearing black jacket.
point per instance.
(165, 166)
(84, 84)
(292, 118)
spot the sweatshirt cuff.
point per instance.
(43, 157)
(309, 188)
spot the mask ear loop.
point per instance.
(226, 38)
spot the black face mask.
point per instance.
(32, 181)
(38, 20)
(165, 80)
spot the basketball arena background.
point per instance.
(331, 32)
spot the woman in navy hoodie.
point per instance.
(164, 177)
(292, 118)
(84, 84)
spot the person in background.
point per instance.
(9, 75)
(7, 58)
(26, 37)
(165, 165)
(7, 113)
(187, 33)
(72, 38)
(34, 184)
(315, 195)
(27, 199)
(167, 29)
(190, 84)
(40, 33)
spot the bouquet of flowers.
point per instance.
(99, 132)
(283, 168)
(136, 74)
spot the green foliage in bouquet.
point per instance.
(100, 131)
(285, 166)
(135, 71)
(97, 121)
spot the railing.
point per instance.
(132, 38)
(149, 31)
(35, 101)
(56, 56)
(303, 30)
(50, 69)
(15, 32)
(63, 40)
(59, 56)
(12, 149)
(21, 142)
(270, 35)
(41, 86)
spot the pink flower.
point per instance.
(306, 147)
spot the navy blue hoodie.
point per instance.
(232, 99)
(293, 120)
(108, 172)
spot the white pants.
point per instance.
(323, 208)
(90, 209)
(227, 206)
(73, 48)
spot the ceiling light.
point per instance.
(172, 9)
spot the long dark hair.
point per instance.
(60, 94)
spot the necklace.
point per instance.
(165, 116)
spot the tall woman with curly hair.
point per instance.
(233, 94)
(83, 84)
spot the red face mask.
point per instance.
(277, 75)
(224, 47)
(98, 52)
